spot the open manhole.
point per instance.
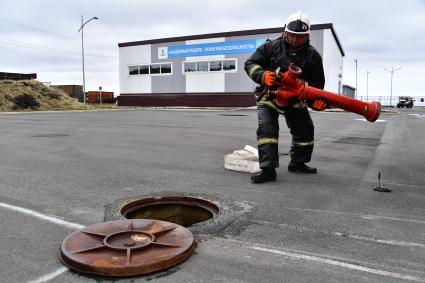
(203, 215)
(127, 247)
(184, 211)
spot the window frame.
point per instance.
(235, 70)
(149, 68)
(171, 68)
(129, 72)
(144, 65)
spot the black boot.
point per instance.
(266, 175)
(301, 168)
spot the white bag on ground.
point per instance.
(243, 160)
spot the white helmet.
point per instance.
(298, 23)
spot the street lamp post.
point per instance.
(392, 73)
(367, 85)
(356, 93)
(82, 53)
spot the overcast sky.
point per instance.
(41, 36)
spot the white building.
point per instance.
(207, 69)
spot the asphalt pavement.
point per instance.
(59, 170)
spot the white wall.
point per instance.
(332, 62)
(418, 101)
(208, 81)
(134, 55)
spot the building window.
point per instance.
(144, 70)
(229, 65)
(166, 68)
(189, 67)
(225, 65)
(216, 66)
(151, 69)
(202, 66)
(155, 69)
(133, 70)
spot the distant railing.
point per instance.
(385, 100)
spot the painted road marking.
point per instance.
(377, 121)
(51, 219)
(46, 217)
(389, 242)
(419, 116)
(344, 234)
(50, 276)
(338, 263)
(391, 218)
(371, 217)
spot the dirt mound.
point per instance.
(31, 95)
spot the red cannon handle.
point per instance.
(291, 87)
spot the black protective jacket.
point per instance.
(277, 53)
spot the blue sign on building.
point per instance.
(216, 48)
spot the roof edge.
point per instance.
(229, 34)
(331, 26)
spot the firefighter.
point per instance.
(262, 66)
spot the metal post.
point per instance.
(100, 96)
(391, 92)
(356, 93)
(82, 53)
(391, 86)
(367, 85)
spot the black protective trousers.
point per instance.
(301, 128)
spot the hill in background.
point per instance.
(32, 95)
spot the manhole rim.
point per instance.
(230, 212)
(131, 206)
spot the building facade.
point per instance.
(349, 91)
(207, 70)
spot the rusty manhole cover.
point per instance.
(127, 247)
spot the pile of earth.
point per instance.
(30, 95)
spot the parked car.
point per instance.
(405, 101)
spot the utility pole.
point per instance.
(82, 53)
(356, 93)
(392, 73)
(367, 85)
(100, 96)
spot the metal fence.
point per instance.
(388, 101)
